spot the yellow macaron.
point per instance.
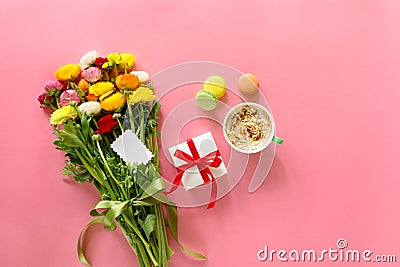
(215, 84)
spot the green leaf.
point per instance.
(69, 127)
(58, 143)
(153, 188)
(85, 126)
(149, 225)
(61, 146)
(69, 139)
(156, 108)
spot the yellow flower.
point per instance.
(113, 58)
(128, 60)
(68, 72)
(127, 81)
(124, 60)
(111, 102)
(141, 94)
(105, 95)
(101, 88)
(63, 114)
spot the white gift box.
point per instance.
(204, 145)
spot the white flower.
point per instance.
(88, 59)
(90, 108)
(142, 75)
(116, 116)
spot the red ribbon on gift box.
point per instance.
(212, 159)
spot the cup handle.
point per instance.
(277, 140)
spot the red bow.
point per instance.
(212, 159)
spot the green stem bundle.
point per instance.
(142, 222)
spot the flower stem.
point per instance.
(109, 170)
(131, 118)
(52, 106)
(141, 127)
(92, 171)
(162, 256)
(57, 100)
(134, 227)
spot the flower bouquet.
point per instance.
(93, 103)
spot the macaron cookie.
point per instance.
(248, 84)
(215, 84)
(206, 99)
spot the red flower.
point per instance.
(100, 61)
(106, 124)
(42, 99)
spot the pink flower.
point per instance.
(54, 85)
(92, 74)
(68, 96)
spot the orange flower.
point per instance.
(84, 85)
(91, 97)
(127, 81)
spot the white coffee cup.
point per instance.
(264, 114)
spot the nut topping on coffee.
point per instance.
(248, 127)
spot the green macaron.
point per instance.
(206, 99)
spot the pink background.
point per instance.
(328, 68)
